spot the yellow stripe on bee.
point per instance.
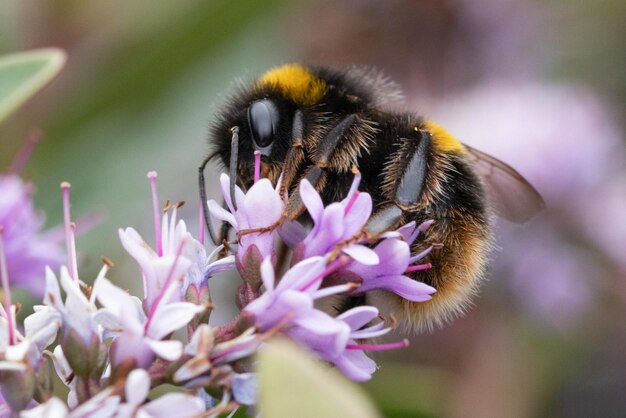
(296, 83)
(442, 139)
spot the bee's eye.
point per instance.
(263, 120)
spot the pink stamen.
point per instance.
(166, 285)
(378, 347)
(353, 198)
(257, 165)
(70, 243)
(201, 224)
(25, 152)
(332, 267)
(6, 290)
(152, 175)
(418, 267)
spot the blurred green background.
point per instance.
(539, 84)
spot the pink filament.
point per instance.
(257, 165)
(418, 267)
(378, 347)
(353, 198)
(166, 285)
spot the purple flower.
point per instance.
(336, 223)
(155, 267)
(81, 335)
(289, 305)
(138, 337)
(28, 251)
(394, 254)
(261, 207)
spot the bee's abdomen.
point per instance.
(462, 226)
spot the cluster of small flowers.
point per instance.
(113, 348)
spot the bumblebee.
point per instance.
(320, 124)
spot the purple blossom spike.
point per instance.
(28, 250)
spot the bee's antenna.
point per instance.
(234, 154)
(205, 207)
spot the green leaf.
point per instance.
(23, 74)
(294, 384)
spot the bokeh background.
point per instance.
(540, 85)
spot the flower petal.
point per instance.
(218, 212)
(401, 285)
(175, 405)
(356, 365)
(245, 388)
(267, 274)
(311, 200)
(261, 207)
(362, 254)
(169, 318)
(170, 350)
(358, 317)
(137, 387)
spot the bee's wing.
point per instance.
(510, 194)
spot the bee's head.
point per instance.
(265, 114)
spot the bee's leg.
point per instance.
(295, 155)
(318, 173)
(327, 145)
(409, 189)
(203, 202)
(384, 219)
(234, 155)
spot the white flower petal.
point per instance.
(225, 185)
(311, 200)
(137, 386)
(42, 326)
(169, 318)
(12, 366)
(52, 408)
(218, 212)
(53, 292)
(170, 350)
(245, 388)
(267, 274)
(108, 320)
(175, 405)
(111, 296)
